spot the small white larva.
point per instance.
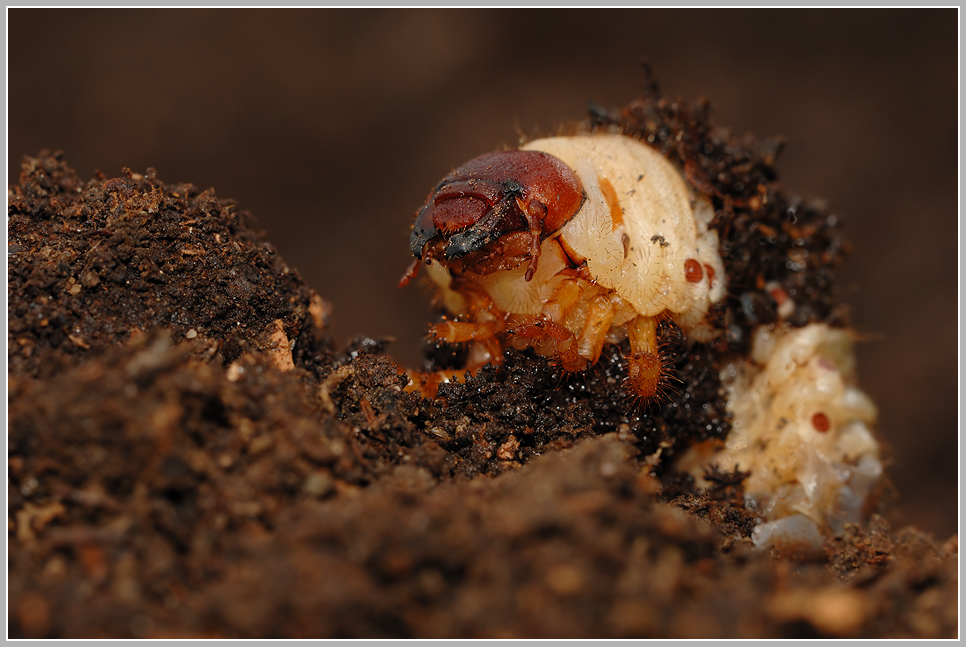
(566, 243)
(801, 428)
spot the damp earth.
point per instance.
(190, 453)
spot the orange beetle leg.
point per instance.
(646, 372)
(463, 331)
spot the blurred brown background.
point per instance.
(331, 126)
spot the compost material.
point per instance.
(190, 455)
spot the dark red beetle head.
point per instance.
(494, 195)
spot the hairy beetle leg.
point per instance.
(456, 332)
(564, 299)
(550, 339)
(486, 349)
(410, 273)
(599, 319)
(427, 384)
(646, 372)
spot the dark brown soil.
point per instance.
(174, 471)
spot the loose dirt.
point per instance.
(190, 455)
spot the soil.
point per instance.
(191, 455)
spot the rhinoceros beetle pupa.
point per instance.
(566, 243)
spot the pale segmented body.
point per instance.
(803, 430)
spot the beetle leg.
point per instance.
(539, 328)
(646, 372)
(564, 298)
(599, 319)
(568, 357)
(479, 303)
(463, 331)
(535, 213)
(549, 339)
(427, 384)
(486, 349)
(410, 273)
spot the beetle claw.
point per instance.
(531, 269)
(410, 274)
(535, 212)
